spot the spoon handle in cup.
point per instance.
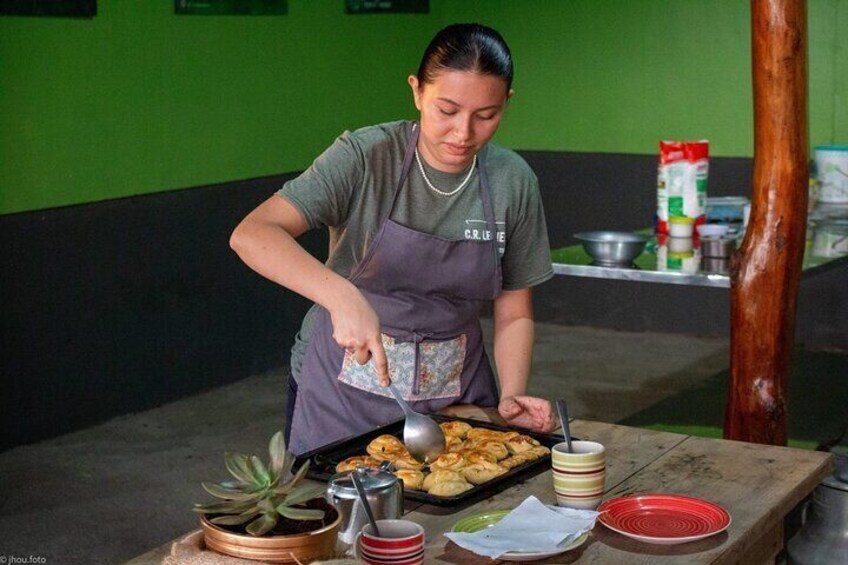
(361, 491)
(562, 409)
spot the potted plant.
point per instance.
(267, 513)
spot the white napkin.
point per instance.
(532, 527)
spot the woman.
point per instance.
(428, 221)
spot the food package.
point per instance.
(682, 182)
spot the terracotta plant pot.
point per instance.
(294, 548)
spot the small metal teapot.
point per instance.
(384, 493)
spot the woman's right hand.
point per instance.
(356, 327)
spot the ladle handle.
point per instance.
(361, 491)
(406, 409)
(563, 420)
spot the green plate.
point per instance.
(485, 520)
(477, 522)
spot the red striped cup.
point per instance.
(401, 542)
(579, 476)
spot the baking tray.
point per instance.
(325, 459)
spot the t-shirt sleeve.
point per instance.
(323, 192)
(527, 257)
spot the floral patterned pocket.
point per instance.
(439, 371)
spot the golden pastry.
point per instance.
(449, 462)
(386, 447)
(474, 456)
(479, 473)
(536, 452)
(441, 476)
(450, 488)
(494, 447)
(407, 461)
(411, 478)
(352, 463)
(520, 443)
(483, 433)
(513, 461)
(452, 443)
(455, 429)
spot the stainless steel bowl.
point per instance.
(612, 248)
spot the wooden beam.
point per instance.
(766, 270)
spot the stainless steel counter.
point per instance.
(670, 262)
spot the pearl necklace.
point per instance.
(442, 192)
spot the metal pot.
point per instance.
(823, 537)
(718, 265)
(384, 493)
(831, 239)
(721, 247)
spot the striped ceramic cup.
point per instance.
(579, 476)
(401, 542)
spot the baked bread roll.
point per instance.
(536, 452)
(520, 443)
(352, 463)
(450, 488)
(483, 433)
(455, 429)
(492, 446)
(440, 477)
(386, 447)
(479, 473)
(411, 478)
(449, 462)
(452, 443)
(474, 456)
(407, 461)
(513, 461)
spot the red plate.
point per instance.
(663, 518)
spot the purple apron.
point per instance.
(427, 292)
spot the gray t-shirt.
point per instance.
(349, 189)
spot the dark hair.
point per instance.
(467, 47)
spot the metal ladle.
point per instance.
(423, 437)
(360, 490)
(562, 410)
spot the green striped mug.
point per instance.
(579, 476)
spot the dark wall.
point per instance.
(119, 306)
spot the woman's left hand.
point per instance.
(528, 412)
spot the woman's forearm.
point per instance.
(265, 241)
(513, 341)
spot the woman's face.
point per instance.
(460, 112)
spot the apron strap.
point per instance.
(489, 212)
(411, 143)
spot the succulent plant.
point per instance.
(261, 494)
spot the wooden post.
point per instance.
(767, 269)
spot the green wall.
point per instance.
(616, 76)
(138, 100)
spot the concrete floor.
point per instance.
(113, 491)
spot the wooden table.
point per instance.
(757, 484)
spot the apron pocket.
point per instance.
(439, 372)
